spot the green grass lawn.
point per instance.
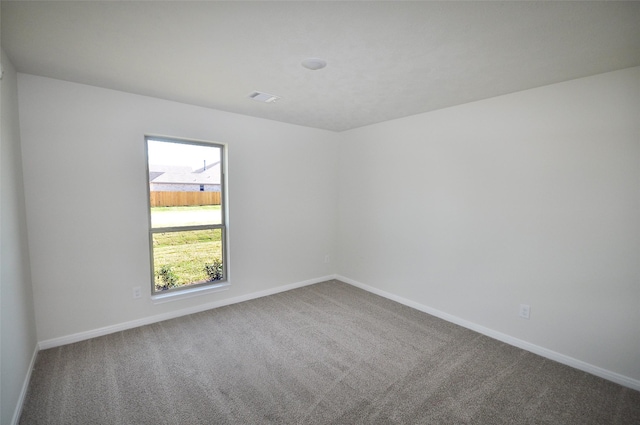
(185, 216)
(186, 253)
(161, 210)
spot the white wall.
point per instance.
(85, 185)
(533, 198)
(17, 321)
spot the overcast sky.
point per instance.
(167, 153)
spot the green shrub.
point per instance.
(169, 279)
(214, 271)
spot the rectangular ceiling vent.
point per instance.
(263, 97)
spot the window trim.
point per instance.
(194, 289)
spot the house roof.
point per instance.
(167, 174)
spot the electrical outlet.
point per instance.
(137, 292)
(525, 310)
(327, 259)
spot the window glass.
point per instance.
(186, 212)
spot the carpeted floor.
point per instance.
(323, 354)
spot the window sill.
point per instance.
(188, 293)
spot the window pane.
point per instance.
(185, 182)
(185, 258)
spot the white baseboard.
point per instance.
(25, 387)
(544, 352)
(81, 336)
(541, 351)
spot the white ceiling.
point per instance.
(385, 59)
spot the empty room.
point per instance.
(320, 212)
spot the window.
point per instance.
(187, 230)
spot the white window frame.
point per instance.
(194, 289)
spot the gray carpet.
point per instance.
(323, 354)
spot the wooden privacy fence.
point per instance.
(179, 199)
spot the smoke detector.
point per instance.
(263, 97)
(314, 64)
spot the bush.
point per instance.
(214, 271)
(167, 276)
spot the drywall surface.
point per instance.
(529, 198)
(18, 327)
(85, 184)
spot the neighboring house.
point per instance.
(168, 178)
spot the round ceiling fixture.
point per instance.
(314, 63)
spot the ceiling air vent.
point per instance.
(263, 97)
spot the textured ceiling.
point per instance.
(385, 59)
